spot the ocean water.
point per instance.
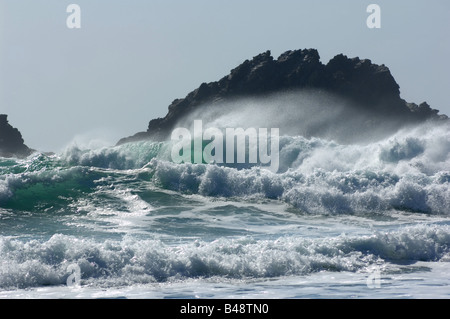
(368, 220)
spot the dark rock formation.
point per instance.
(367, 85)
(11, 141)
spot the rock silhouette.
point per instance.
(368, 86)
(11, 141)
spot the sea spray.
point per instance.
(408, 171)
(230, 147)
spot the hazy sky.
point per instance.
(131, 59)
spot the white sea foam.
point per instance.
(134, 261)
(408, 171)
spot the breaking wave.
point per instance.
(133, 261)
(409, 171)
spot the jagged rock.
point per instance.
(369, 86)
(11, 141)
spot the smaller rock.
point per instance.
(11, 141)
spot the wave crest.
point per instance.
(408, 171)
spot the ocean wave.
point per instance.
(320, 191)
(127, 156)
(410, 171)
(136, 261)
(425, 148)
(43, 184)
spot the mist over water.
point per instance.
(307, 113)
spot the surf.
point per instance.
(408, 171)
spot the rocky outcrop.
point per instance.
(369, 86)
(11, 141)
